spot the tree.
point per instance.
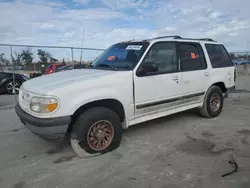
(242, 56)
(45, 57)
(53, 60)
(3, 60)
(63, 61)
(233, 56)
(16, 59)
(27, 56)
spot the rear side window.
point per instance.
(218, 56)
(192, 57)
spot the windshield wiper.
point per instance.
(106, 65)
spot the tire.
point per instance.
(9, 84)
(214, 95)
(93, 125)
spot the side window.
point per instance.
(192, 57)
(161, 58)
(218, 56)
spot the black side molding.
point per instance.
(169, 100)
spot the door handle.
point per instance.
(206, 74)
(175, 78)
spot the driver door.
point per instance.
(157, 81)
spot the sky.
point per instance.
(105, 22)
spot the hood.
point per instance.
(47, 83)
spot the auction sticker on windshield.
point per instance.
(111, 58)
(134, 47)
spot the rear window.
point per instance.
(218, 56)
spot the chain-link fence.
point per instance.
(21, 62)
(242, 62)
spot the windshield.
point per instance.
(121, 56)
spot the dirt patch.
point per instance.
(16, 130)
(201, 147)
(54, 150)
(19, 184)
(57, 148)
(244, 132)
(241, 91)
(245, 140)
(131, 178)
(64, 159)
(117, 155)
(207, 134)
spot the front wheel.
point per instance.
(213, 102)
(96, 131)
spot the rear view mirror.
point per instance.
(147, 69)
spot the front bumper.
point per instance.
(50, 129)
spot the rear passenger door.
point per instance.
(195, 76)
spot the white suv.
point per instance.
(130, 83)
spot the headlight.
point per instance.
(43, 105)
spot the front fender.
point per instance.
(77, 100)
(96, 95)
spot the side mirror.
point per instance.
(147, 69)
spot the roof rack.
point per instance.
(205, 39)
(174, 36)
(179, 37)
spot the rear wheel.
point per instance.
(96, 131)
(213, 102)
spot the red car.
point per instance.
(51, 68)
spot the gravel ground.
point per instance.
(178, 151)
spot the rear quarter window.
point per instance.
(218, 55)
